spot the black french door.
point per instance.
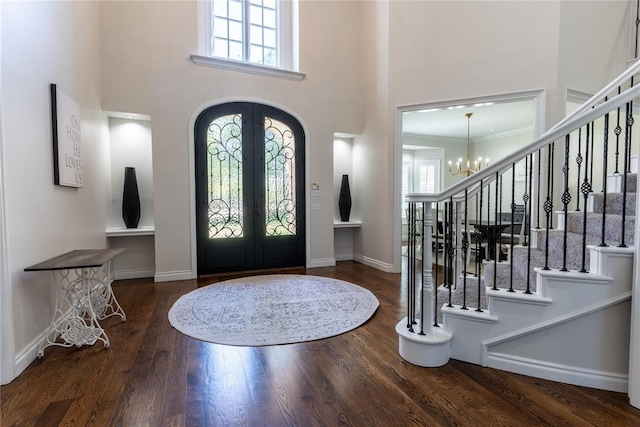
(250, 192)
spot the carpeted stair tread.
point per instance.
(458, 296)
(614, 203)
(613, 226)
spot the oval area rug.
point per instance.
(272, 309)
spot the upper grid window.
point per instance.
(248, 31)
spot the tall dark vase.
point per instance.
(344, 200)
(130, 199)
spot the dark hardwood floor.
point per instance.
(153, 375)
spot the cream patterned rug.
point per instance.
(272, 309)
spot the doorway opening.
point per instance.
(441, 133)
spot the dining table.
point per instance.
(491, 231)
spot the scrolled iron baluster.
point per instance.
(451, 252)
(548, 207)
(585, 188)
(566, 199)
(478, 238)
(605, 156)
(579, 163)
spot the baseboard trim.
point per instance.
(321, 262)
(133, 274)
(30, 353)
(561, 373)
(170, 276)
(386, 267)
(344, 257)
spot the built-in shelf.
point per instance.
(125, 232)
(347, 224)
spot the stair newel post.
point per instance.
(585, 189)
(548, 206)
(497, 248)
(478, 237)
(579, 163)
(627, 150)
(427, 288)
(605, 156)
(528, 230)
(513, 219)
(566, 198)
(465, 247)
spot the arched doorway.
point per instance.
(250, 192)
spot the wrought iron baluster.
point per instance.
(586, 189)
(538, 192)
(553, 154)
(478, 259)
(618, 131)
(496, 248)
(410, 261)
(451, 250)
(566, 198)
(513, 220)
(422, 270)
(525, 199)
(593, 137)
(435, 287)
(579, 163)
(605, 156)
(627, 150)
(548, 207)
(465, 246)
(528, 230)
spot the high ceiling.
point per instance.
(488, 119)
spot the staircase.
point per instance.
(560, 307)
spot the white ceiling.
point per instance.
(487, 120)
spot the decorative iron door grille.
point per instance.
(249, 188)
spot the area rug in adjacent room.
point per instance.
(272, 309)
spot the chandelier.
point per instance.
(468, 170)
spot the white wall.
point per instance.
(43, 43)
(151, 72)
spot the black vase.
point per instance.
(130, 199)
(344, 200)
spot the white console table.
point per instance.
(84, 296)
